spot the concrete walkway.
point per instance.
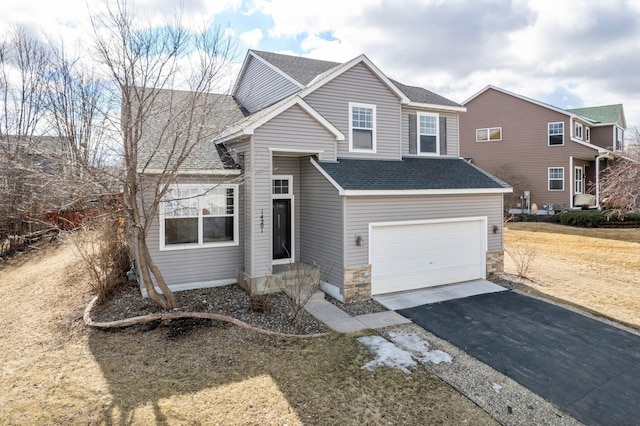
(342, 322)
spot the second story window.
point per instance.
(489, 134)
(428, 134)
(362, 127)
(587, 134)
(556, 133)
(578, 130)
(619, 139)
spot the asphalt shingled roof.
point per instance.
(605, 114)
(304, 70)
(410, 173)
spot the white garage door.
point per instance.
(411, 255)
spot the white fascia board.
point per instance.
(314, 85)
(400, 192)
(228, 172)
(276, 69)
(335, 184)
(524, 98)
(437, 107)
(279, 109)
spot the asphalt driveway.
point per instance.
(586, 367)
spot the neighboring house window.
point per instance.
(619, 139)
(362, 127)
(556, 133)
(556, 178)
(428, 132)
(578, 130)
(489, 134)
(194, 216)
(579, 180)
(587, 134)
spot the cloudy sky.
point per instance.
(569, 53)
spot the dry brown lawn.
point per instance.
(595, 268)
(54, 370)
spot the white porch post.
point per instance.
(572, 181)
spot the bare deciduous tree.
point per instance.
(160, 130)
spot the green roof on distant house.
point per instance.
(605, 114)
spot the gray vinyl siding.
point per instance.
(291, 166)
(360, 211)
(360, 85)
(524, 150)
(262, 86)
(244, 147)
(198, 264)
(321, 224)
(453, 137)
(293, 129)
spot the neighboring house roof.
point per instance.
(604, 114)
(409, 175)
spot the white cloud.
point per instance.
(252, 38)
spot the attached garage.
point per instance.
(416, 254)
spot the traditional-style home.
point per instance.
(553, 157)
(337, 166)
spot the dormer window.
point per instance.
(362, 127)
(578, 130)
(428, 143)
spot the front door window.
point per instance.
(282, 217)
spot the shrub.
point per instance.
(102, 246)
(522, 253)
(592, 218)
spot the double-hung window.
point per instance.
(579, 180)
(489, 134)
(578, 130)
(428, 141)
(362, 127)
(619, 139)
(194, 216)
(556, 133)
(556, 178)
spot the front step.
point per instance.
(298, 280)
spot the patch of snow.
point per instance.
(413, 343)
(497, 387)
(387, 354)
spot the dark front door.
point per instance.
(281, 229)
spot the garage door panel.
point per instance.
(405, 257)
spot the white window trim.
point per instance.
(488, 129)
(374, 132)
(617, 129)
(549, 134)
(282, 177)
(575, 180)
(587, 134)
(577, 126)
(200, 244)
(289, 196)
(437, 117)
(549, 179)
